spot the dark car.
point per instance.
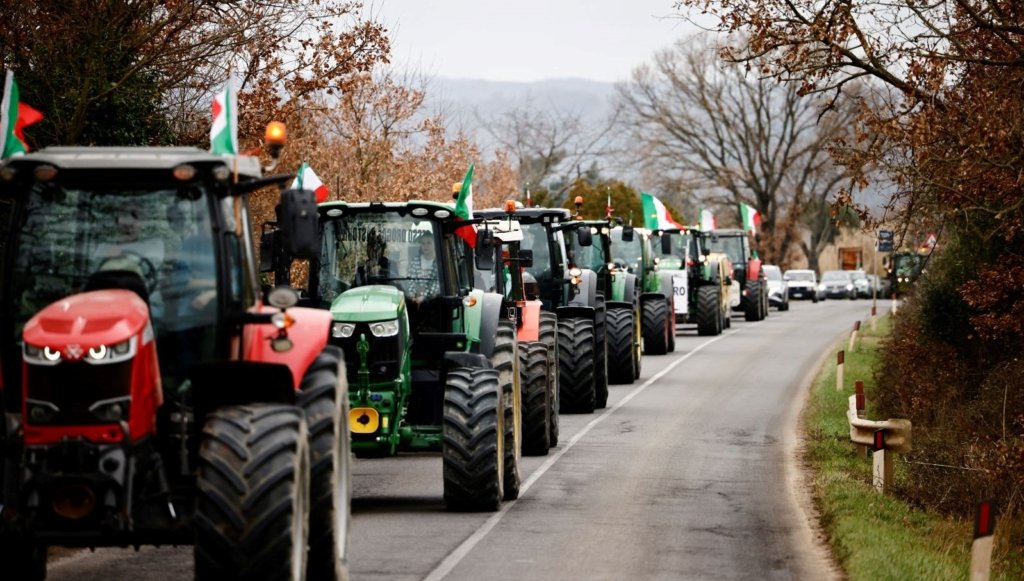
(838, 284)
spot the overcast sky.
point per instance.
(528, 40)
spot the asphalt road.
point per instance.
(687, 474)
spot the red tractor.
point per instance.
(153, 392)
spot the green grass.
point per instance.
(874, 536)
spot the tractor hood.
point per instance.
(368, 303)
(74, 324)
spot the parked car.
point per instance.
(802, 284)
(778, 287)
(838, 284)
(861, 283)
(880, 285)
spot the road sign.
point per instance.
(885, 240)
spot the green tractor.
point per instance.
(701, 280)
(572, 320)
(433, 361)
(633, 252)
(747, 271)
(538, 344)
(618, 293)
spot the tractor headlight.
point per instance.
(575, 272)
(342, 330)
(384, 328)
(116, 353)
(111, 410)
(40, 355)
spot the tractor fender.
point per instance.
(489, 317)
(629, 292)
(666, 284)
(754, 269)
(576, 312)
(645, 297)
(308, 333)
(714, 276)
(453, 359)
(530, 329)
(612, 305)
(221, 383)
(587, 290)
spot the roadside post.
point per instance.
(839, 370)
(853, 336)
(984, 535)
(884, 438)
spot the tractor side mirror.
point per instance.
(584, 236)
(484, 250)
(627, 233)
(298, 221)
(525, 258)
(666, 244)
(705, 251)
(268, 250)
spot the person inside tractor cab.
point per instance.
(536, 240)
(376, 268)
(125, 255)
(424, 282)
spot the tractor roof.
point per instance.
(134, 158)
(418, 208)
(727, 232)
(527, 215)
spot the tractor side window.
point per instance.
(463, 264)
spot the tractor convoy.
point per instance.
(156, 392)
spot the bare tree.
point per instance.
(549, 147)
(730, 136)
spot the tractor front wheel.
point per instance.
(655, 325)
(752, 306)
(323, 396)
(473, 440)
(549, 336)
(252, 509)
(506, 360)
(533, 361)
(709, 311)
(621, 355)
(576, 365)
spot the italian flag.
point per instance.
(656, 215)
(306, 179)
(14, 117)
(464, 209)
(707, 220)
(750, 218)
(224, 131)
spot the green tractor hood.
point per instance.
(368, 303)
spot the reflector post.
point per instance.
(985, 518)
(879, 440)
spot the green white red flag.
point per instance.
(707, 220)
(306, 179)
(750, 218)
(14, 117)
(224, 130)
(464, 209)
(656, 215)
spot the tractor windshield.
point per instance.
(731, 246)
(629, 254)
(379, 248)
(535, 238)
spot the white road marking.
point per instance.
(455, 557)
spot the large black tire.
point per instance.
(655, 327)
(752, 304)
(21, 559)
(533, 365)
(637, 342)
(621, 355)
(506, 360)
(576, 365)
(473, 440)
(549, 336)
(709, 310)
(600, 353)
(252, 499)
(323, 396)
(670, 307)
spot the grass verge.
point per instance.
(874, 536)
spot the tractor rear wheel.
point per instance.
(670, 307)
(473, 440)
(621, 355)
(655, 325)
(549, 336)
(506, 360)
(323, 396)
(21, 559)
(252, 509)
(576, 365)
(709, 310)
(752, 306)
(533, 362)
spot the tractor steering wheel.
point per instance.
(146, 268)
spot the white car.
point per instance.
(778, 290)
(803, 284)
